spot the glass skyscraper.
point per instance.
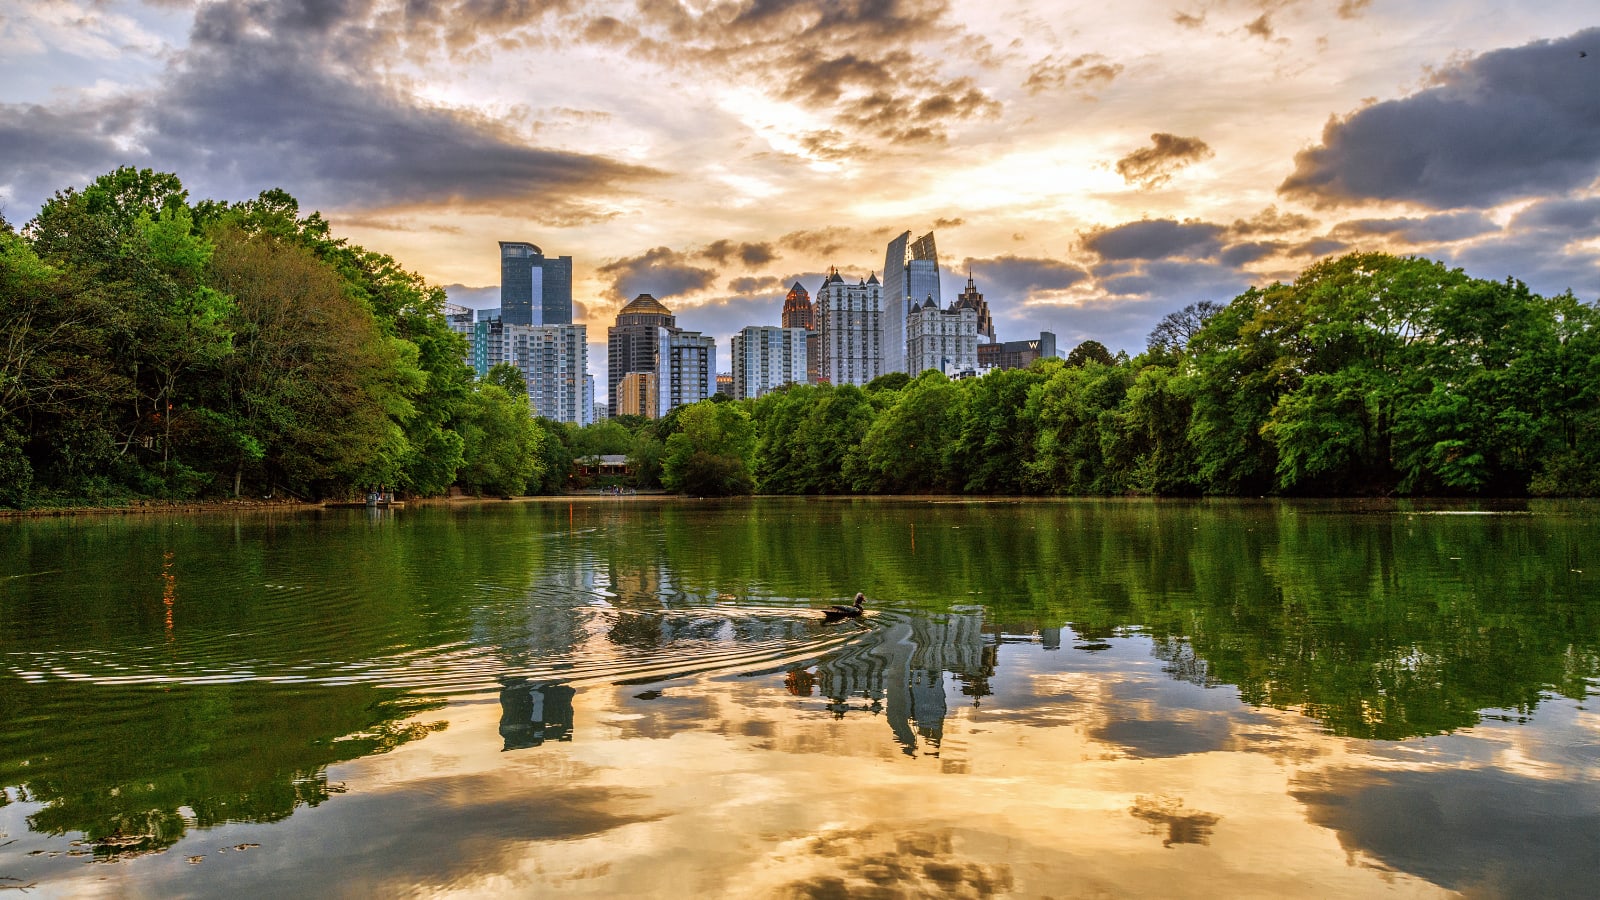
(910, 277)
(534, 289)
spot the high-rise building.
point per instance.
(766, 357)
(635, 343)
(799, 312)
(534, 289)
(910, 278)
(646, 338)
(552, 360)
(638, 394)
(850, 335)
(797, 309)
(692, 368)
(943, 339)
(971, 299)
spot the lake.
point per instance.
(636, 696)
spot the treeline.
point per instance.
(1369, 375)
(154, 348)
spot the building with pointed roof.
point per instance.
(943, 339)
(849, 330)
(971, 299)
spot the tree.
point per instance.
(1090, 351)
(904, 450)
(709, 455)
(1176, 329)
(507, 377)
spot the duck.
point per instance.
(839, 611)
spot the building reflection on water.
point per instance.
(899, 670)
(531, 714)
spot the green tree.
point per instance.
(709, 454)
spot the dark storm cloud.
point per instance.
(1512, 123)
(1261, 27)
(1155, 239)
(1441, 228)
(270, 94)
(1153, 166)
(1013, 279)
(661, 272)
(948, 223)
(749, 254)
(1351, 9)
(1189, 21)
(1083, 72)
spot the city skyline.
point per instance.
(1093, 169)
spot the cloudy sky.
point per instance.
(1094, 165)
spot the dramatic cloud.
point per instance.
(1441, 228)
(661, 272)
(1083, 72)
(1153, 166)
(848, 62)
(1007, 280)
(756, 284)
(275, 95)
(1509, 124)
(750, 254)
(1261, 27)
(1271, 221)
(1238, 255)
(1155, 239)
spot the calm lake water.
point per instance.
(616, 697)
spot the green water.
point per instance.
(631, 696)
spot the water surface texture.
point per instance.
(634, 697)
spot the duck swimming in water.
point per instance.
(839, 611)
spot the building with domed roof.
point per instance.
(646, 339)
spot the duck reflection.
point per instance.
(532, 713)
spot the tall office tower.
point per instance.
(797, 309)
(910, 278)
(971, 299)
(636, 343)
(798, 312)
(943, 339)
(588, 393)
(534, 289)
(766, 357)
(849, 329)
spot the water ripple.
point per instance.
(615, 646)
